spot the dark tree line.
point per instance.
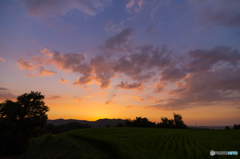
(177, 122)
(20, 121)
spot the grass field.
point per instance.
(135, 143)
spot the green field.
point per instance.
(135, 143)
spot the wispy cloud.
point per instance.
(44, 72)
(125, 85)
(138, 98)
(24, 64)
(63, 80)
(57, 8)
(1, 59)
(55, 97)
(3, 89)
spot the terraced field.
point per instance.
(135, 143)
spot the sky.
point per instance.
(95, 59)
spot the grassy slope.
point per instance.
(135, 143)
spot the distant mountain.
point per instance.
(95, 124)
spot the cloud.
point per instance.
(219, 87)
(78, 100)
(150, 29)
(86, 70)
(63, 80)
(204, 59)
(55, 97)
(113, 28)
(3, 89)
(136, 65)
(110, 99)
(120, 41)
(57, 8)
(130, 4)
(1, 59)
(67, 62)
(224, 13)
(172, 74)
(44, 72)
(125, 85)
(108, 102)
(7, 95)
(159, 87)
(138, 98)
(103, 71)
(159, 101)
(25, 64)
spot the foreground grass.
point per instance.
(135, 143)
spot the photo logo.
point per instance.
(212, 153)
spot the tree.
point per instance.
(20, 121)
(227, 128)
(236, 126)
(178, 122)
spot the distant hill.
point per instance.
(95, 124)
(113, 122)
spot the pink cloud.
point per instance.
(1, 59)
(25, 64)
(44, 72)
(63, 80)
(138, 98)
(159, 87)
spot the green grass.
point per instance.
(135, 143)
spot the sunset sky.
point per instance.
(124, 58)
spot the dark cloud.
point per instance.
(67, 61)
(135, 65)
(203, 60)
(223, 12)
(86, 71)
(3, 89)
(125, 85)
(120, 41)
(103, 71)
(56, 8)
(205, 88)
(172, 74)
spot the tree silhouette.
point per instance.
(227, 128)
(236, 126)
(139, 122)
(20, 121)
(178, 122)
